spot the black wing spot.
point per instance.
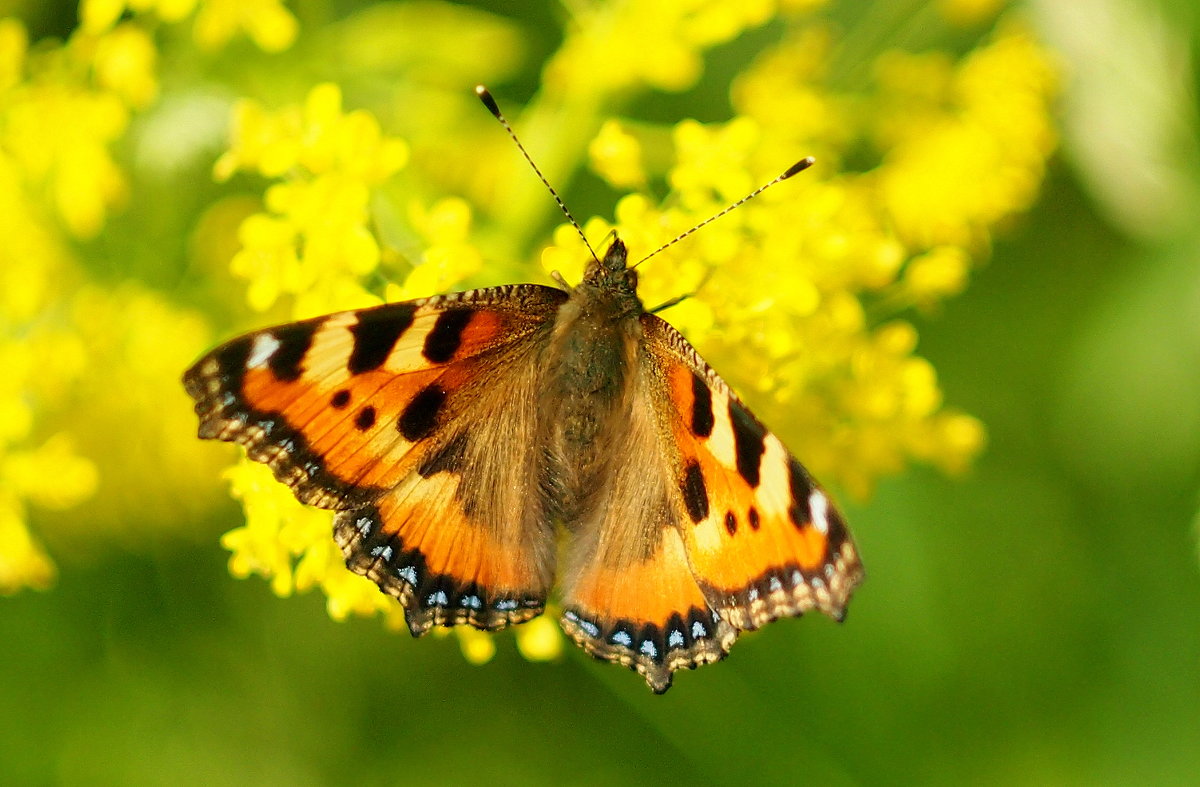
(731, 523)
(446, 337)
(376, 334)
(231, 366)
(800, 488)
(749, 443)
(754, 520)
(365, 419)
(340, 399)
(420, 416)
(695, 493)
(295, 340)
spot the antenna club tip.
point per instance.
(799, 166)
(486, 97)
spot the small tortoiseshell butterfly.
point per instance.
(453, 435)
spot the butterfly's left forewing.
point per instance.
(763, 540)
(394, 416)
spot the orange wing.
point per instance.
(391, 415)
(645, 612)
(628, 593)
(763, 539)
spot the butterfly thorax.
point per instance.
(588, 385)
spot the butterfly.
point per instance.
(461, 438)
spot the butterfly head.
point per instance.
(612, 270)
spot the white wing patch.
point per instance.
(264, 347)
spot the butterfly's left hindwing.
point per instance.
(392, 416)
(763, 540)
(629, 595)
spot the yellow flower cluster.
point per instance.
(313, 241)
(55, 126)
(61, 110)
(90, 407)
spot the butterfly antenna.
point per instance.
(799, 166)
(486, 97)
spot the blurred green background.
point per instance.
(1035, 621)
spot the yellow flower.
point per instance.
(125, 63)
(938, 274)
(619, 45)
(478, 647)
(449, 256)
(314, 239)
(99, 16)
(616, 156)
(540, 639)
(266, 22)
(51, 476)
(14, 44)
(980, 152)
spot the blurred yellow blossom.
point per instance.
(14, 44)
(978, 153)
(267, 23)
(125, 63)
(478, 647)
(51, 476)
(84, 362)
(616, 156)
(64, 107)
(97, 16)
(42, 359)
(449, 256)
(625, 44)
(710, 161)
(540, 639)
(940, 273)
(134, 343)
(23, 561)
